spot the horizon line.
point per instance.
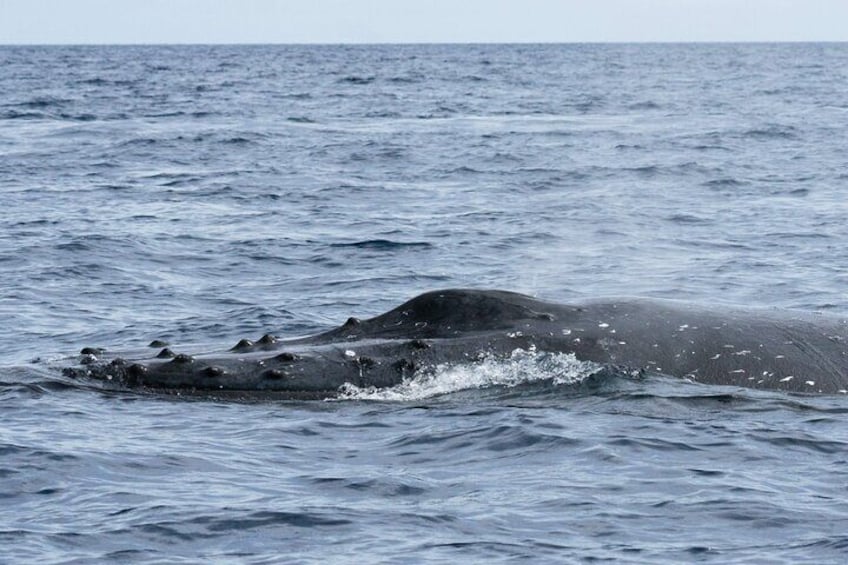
(425, 43)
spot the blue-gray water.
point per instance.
(203, 194)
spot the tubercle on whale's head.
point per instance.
(322, 368)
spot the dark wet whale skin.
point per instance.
(789, 351)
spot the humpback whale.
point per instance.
(761, 349)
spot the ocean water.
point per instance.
(200, 194)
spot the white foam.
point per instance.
(521, 367)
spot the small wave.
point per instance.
(94, 81)
(300, 120)
(382, 244)
(800, 443)
(646, 105)
(723, 183)
(42, 103)
(405, 79)
(523, 366)
(174, 114)
(16, 115)
(139, 141)
(710, 147)
(645, 170)
(78, 117)
(358, 80)
(688, 219)
(75, 245)
(295, 96)
(383, 114)
(772, 131)
(38, 388)
(463, 170)
(265, 518)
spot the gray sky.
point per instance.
(376, 21)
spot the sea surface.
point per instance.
(201, 194)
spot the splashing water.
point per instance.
(523, 366)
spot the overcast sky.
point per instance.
(377, 21)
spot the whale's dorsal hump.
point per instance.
(448, 311)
